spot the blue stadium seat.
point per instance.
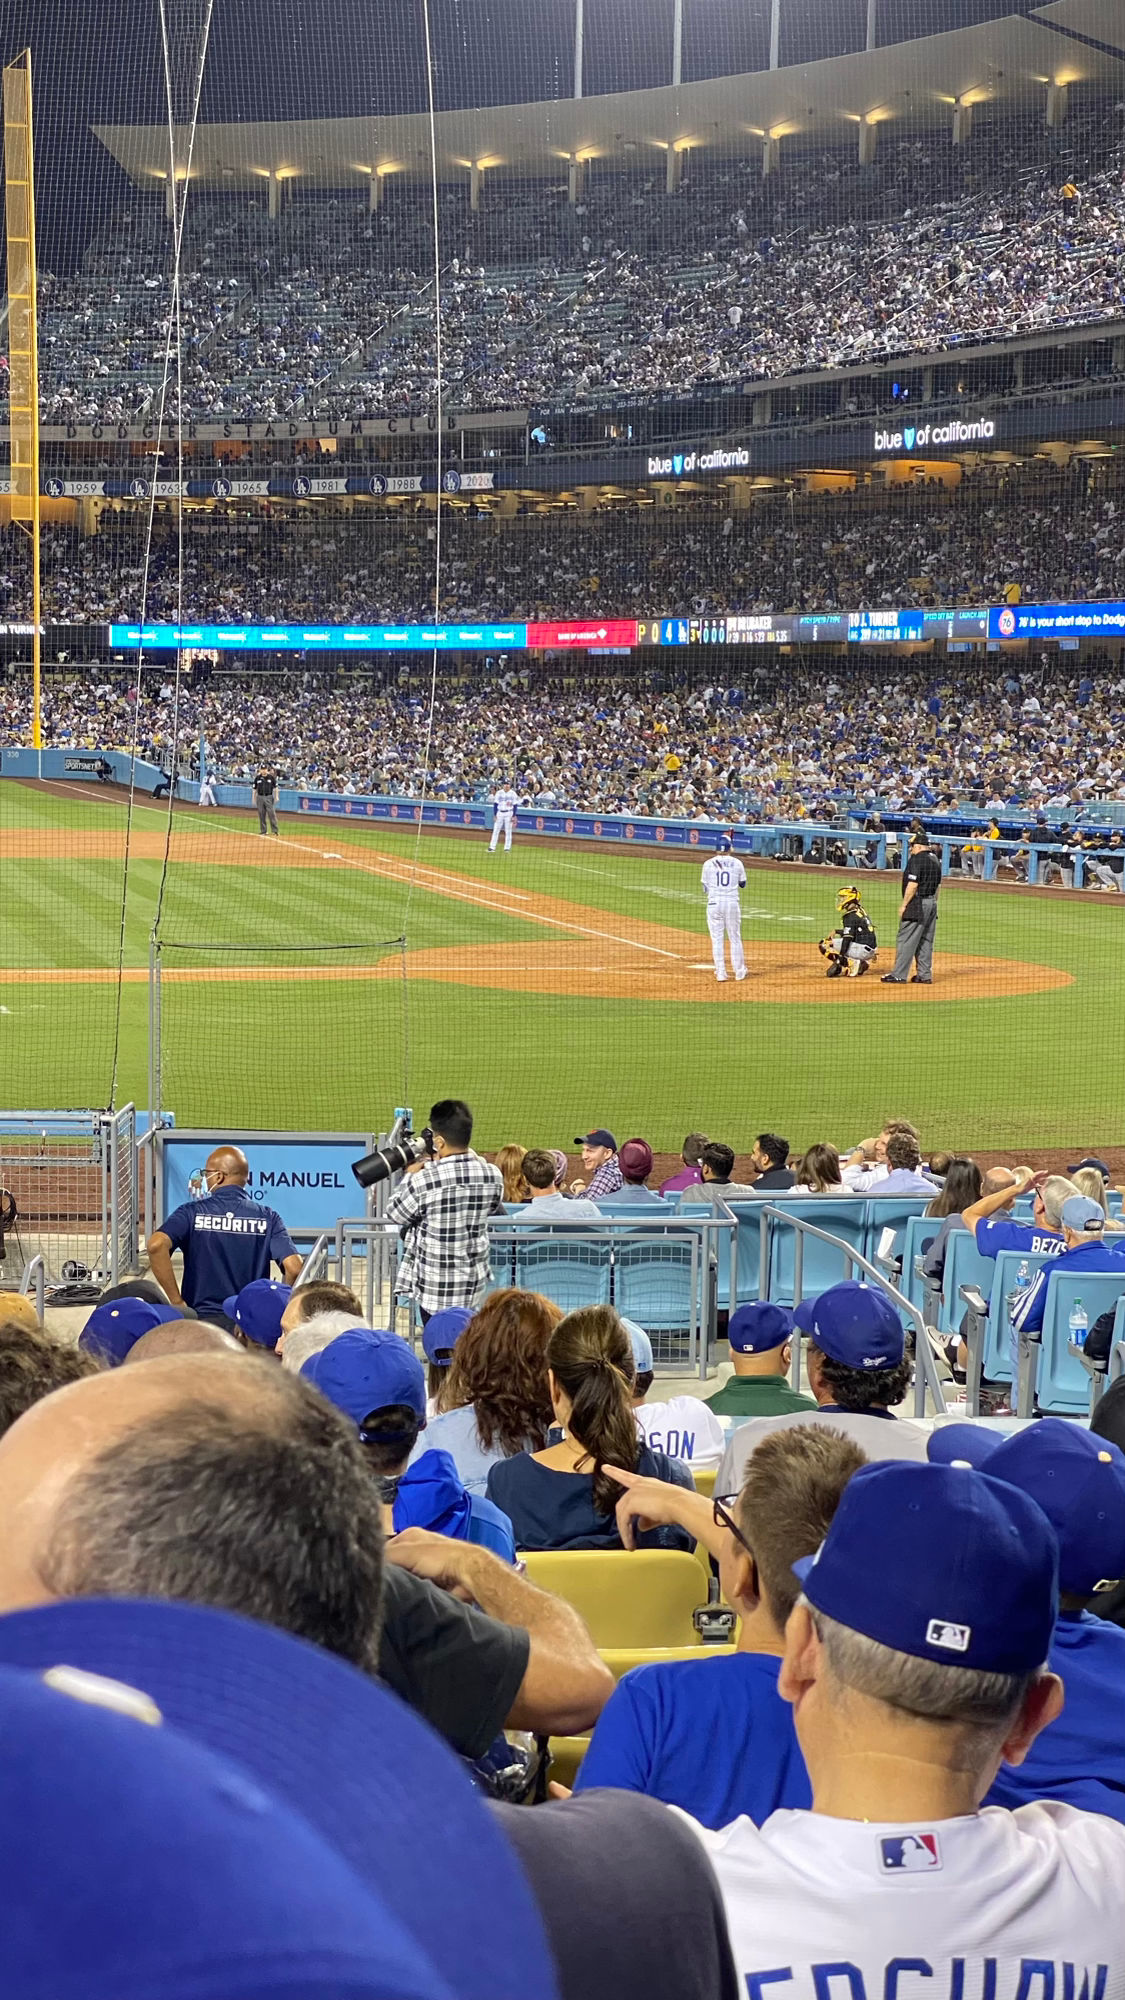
(748, 1216)
(652, 1283)
(997, 1364)
(891, 1211)
(1062, 1383)
(565, 1269)
(823, 1262)
(919, 1234)
(964, 1265)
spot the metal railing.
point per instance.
(34, 1279)
(925, 1368)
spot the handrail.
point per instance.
(37, 1270)
(925, 1372)
(316, 1263)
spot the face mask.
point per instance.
(199, 1187)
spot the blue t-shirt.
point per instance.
(1027, 1316)
(228, 1240)
(1080, 1758)
(997, 1233)
(712, 1736)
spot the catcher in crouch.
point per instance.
(852, 946)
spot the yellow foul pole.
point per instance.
(23, 341)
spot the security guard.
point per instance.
(226, 1237)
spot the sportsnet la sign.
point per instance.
(682, 464)
(922, 437)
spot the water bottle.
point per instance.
(1023, 1284)
(1079, 1324)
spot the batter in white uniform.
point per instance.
(504, 804)
(723, 878)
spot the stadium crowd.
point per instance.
(330, 310)
(787, 745)
(240, 1524)
(1050, 540)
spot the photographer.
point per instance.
(441, 1207)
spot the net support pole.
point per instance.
(677, 43)
(775, 34)
(23, 343)
(872, 24)
(579, 35)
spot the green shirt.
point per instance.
(758, 1396)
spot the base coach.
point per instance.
(227, 1238)
(917, 916)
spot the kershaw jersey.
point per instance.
(992, 1906)
(723, 876)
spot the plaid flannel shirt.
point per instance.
(606, 1181)
(442, 1213)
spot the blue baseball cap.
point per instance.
(855, 1325)
(1079, 1212)
(962, 1444)
(598, 1137)
(256, 1310)
(642, 1346)
(759, 1327)
(1079, 1481)
(117, 1325)
(348, 1767)
(941, 1562)
(442, 1331)
(362, 1370)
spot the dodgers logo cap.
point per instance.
(942, 1562)
(759, 1327)
(853, 1324)
(1079, 1481)
(329, 1806)
(641, 1345)
(598, 1137)
(256, 1310)
(442, 1331)
(362, 1370)
(116, 1326)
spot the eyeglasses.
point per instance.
(723, 1519)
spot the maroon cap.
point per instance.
(635, 1159)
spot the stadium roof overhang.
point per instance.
(1011, 60)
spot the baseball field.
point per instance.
(316, 980)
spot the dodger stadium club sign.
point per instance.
(923, 437)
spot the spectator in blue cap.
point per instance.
(125, 1849)
(117, 1324)
(762, 1352)
(916, 1664)
(681, 1426)
(1079, 1481)
(1084, 1249)
(858, 1370)
(440, 1335)
(713, 1735)
(256, 1311)
(376, 1380)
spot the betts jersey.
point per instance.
(992, 1906)
(228, 1240)
(723, 876)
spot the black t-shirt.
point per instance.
(458, 1668)
(265, 785)
(776, 1177)
(924, 868)
(628, 1897)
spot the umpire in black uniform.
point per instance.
(265, 794)
(917, 917)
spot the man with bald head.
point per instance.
(227, 1240)
(182, 1336)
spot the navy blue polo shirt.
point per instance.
(228, 1240)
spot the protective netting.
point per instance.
(570, 333)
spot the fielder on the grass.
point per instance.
(723, 877)
(504, 804)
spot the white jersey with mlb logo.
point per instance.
(723, 876)
(684, 1427)
(504, 804)
(1027, 1905)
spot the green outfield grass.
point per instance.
(1031, 1070)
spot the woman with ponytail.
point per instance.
(562, 1497)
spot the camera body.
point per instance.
(402, 1149)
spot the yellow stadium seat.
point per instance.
(628, 1598)
(704, 1477)
(566, 1753)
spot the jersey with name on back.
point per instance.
(684, 1427)
(227, 1240)
(723, 876)
(990, 1906)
